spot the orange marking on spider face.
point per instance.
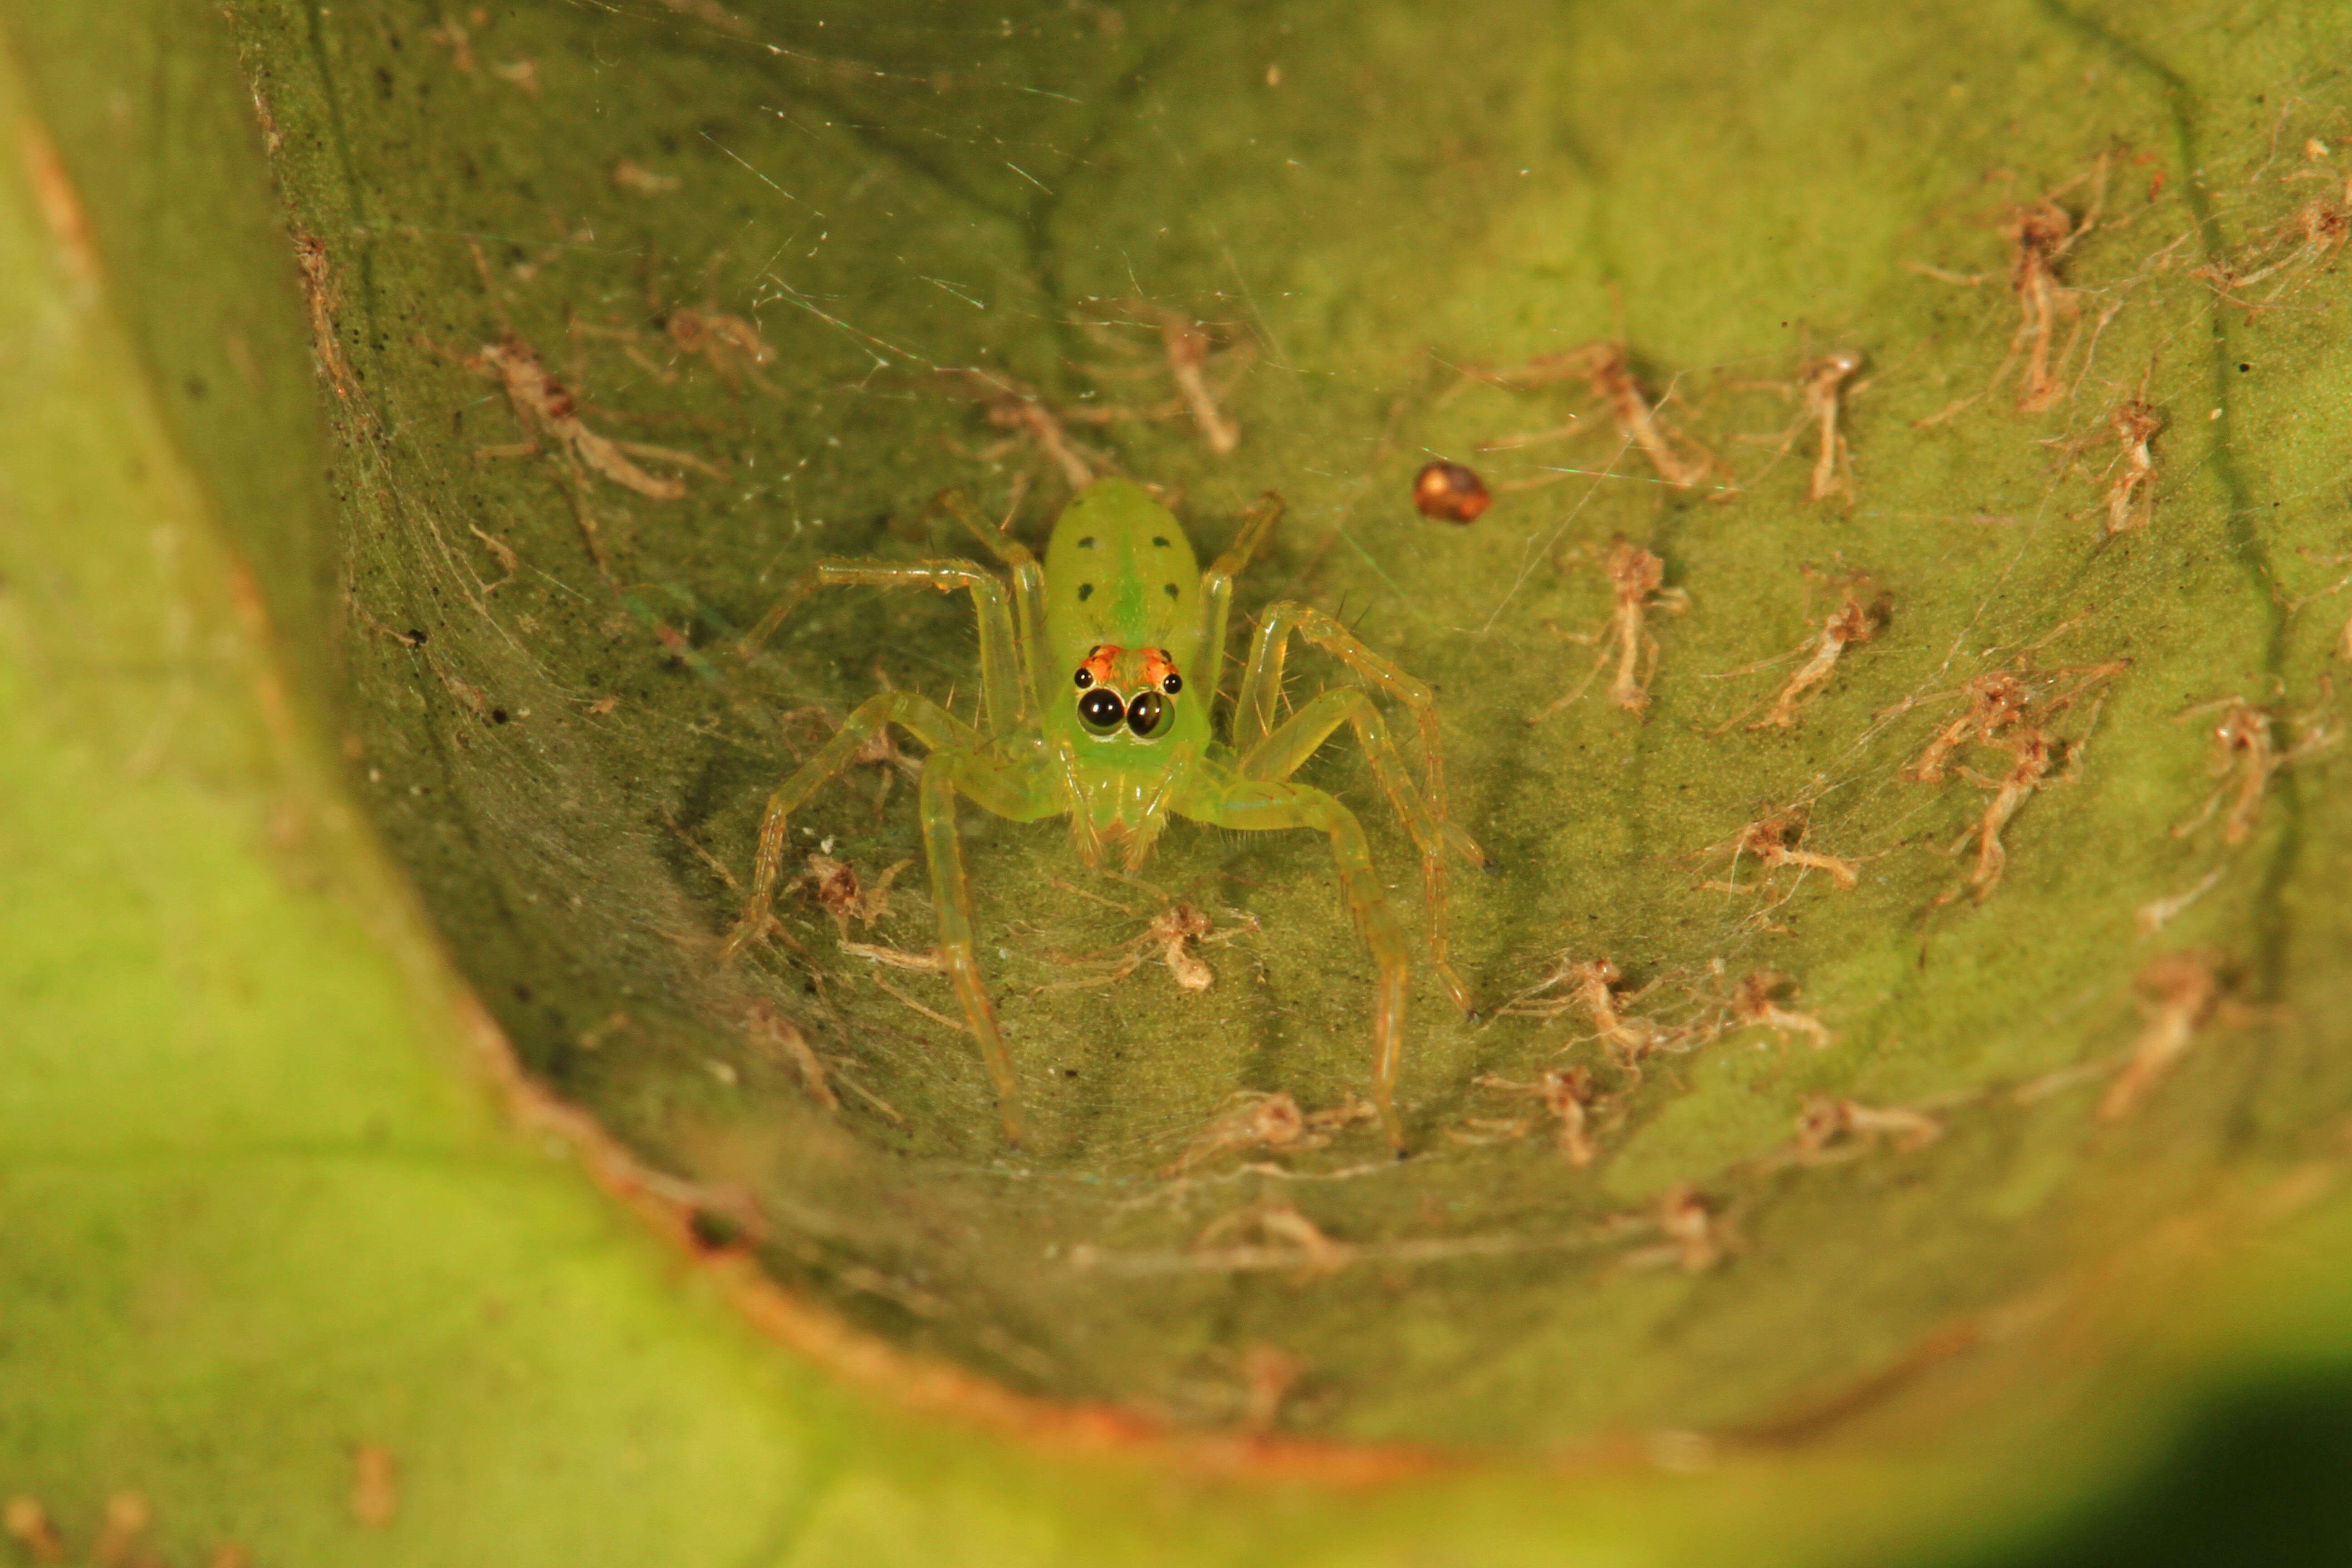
(1101, 666)
(1157, 667)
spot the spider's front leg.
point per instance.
(920, 717)
(1283, 752)
(1022, 794)
(1273, 750)
(961, 762)
(1225, 799)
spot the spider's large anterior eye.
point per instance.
(1144, 714)
(1101, 710)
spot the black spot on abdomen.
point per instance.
(1086, 592)
(1170, 590)
(1087, 542)
(1159, 542)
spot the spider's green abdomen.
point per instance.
(1120, 573)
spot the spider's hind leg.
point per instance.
(1006, 673)
(1028, 575)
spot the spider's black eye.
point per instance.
(1101, 711)
(1173, 684)
(1085, 678)
(1146, 712)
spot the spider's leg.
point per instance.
(1006, 695)
(1225, 799)
(1009, 790)
(1217, 582)
(1028, 580)
(1283, 752)
(1253, 723)
(918, 716)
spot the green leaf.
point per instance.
(324, 728)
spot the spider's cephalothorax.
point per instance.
(1097, 673)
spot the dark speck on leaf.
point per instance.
(415, 637)
(1450, 493)
(1086, 592)
(498, 715)
(714, 1232)
(1168, 589)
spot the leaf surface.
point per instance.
(785, 264)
